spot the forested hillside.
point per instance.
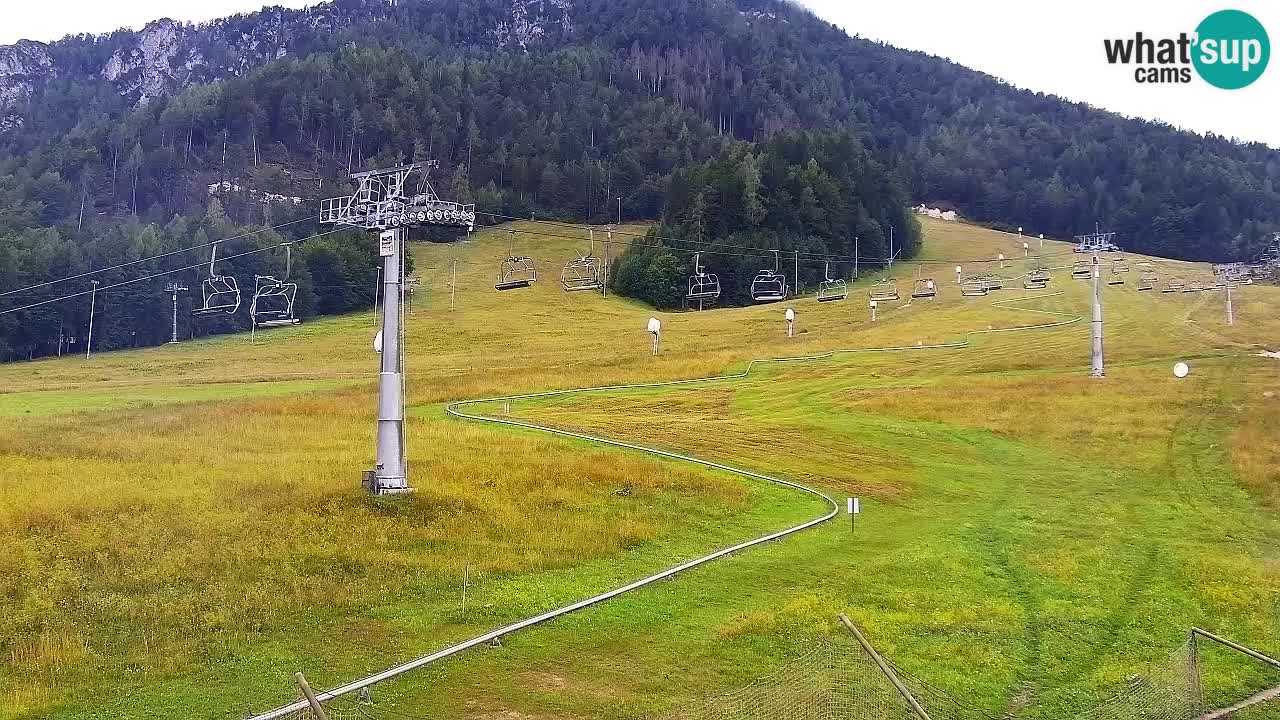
(554, 107)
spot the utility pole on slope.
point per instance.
(93, 300)
(382, 204)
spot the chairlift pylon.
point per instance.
(702, 285)
(831, 289)
(517, 271)
(220, 293)
(272, 304)
(769, 285)
(582, 273)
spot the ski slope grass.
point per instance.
(183, 528)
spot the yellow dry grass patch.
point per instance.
(1255, 445)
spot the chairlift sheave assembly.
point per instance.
(769, 285)
(220, 293)
(831, 289)
(273, 299)
(702, 284)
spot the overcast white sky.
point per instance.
(1049, 47)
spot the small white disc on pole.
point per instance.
(377, 342)
(655, 325)
(1181, 370)
(791, 315)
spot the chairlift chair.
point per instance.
(1037, 279)
(220, 293)
(582, 273)
(769, 285)
(272, 304)
(994, 282)
(1116, 277)
(702, 285)
(1082, 270)
(517, 271)
(831, 289)
(974, 286)
(1174, 285)
(924, 288)
(1193, 286)
(884, 290)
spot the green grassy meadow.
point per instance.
(183, 526)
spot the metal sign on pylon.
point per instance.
(383, 203)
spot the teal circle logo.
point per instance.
(1232, 49)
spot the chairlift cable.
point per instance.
(153, 257)
(157, 274)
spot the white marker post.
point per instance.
(853, 510)
(655, 330)
(873, 311)
(959, 271)
(1026, 250)
(791, 322)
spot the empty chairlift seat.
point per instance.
(924, 288)
(703, 285)
(832, 289)
(272, 304)
(1174, 285)
(273, 298)
(1118, 269)
(1037, 279)
(885, 290)
(583, 273)
(219, 293)
(974, 286)
(769, 285)
(1082, 270)
(516, 271)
